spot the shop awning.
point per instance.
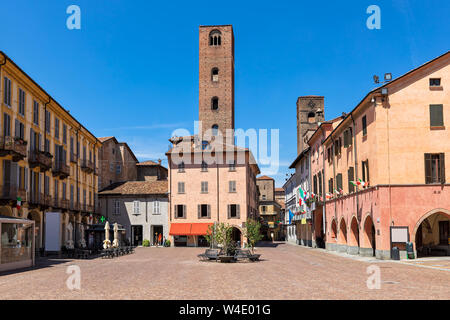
(189, 229)
(180, 229)
(200, 229)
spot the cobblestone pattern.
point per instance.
(286, 272)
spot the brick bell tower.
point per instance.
(310, 112)
(216, 78)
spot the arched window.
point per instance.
(214, 103)
(215, 129)
(215, 74)
(215, 38)
(311, 117)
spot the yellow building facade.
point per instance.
(48, 159)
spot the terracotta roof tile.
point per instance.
(264, 178)
(136, 187)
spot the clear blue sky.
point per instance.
(132, 69)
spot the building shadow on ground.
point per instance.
(268, 244)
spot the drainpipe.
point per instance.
(323, 189)
(356, 165)
(217, 191)
(333, 151)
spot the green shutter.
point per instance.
(351, 187)
(436, 115)
(442, 166)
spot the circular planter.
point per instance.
(226, 259)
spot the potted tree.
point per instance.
(253, 234)
(222, 235)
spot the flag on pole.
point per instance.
(19, 203)
(291, 215)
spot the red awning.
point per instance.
(189, 229)
(180, 229)
(200, 229)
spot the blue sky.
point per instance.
(132, 69)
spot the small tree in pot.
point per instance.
(253, 233)
(221, 234)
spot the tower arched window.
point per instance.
(215, 38)
(311, 117)
(215, 129)
(215, 74)
(215, 103)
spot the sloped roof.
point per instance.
(136, 188)
(103, 139)
(264, 178)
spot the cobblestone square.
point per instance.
(286, 272)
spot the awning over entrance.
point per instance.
(200, 229)
(189, 229)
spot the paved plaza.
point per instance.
(286, 272)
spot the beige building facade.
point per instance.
(49, 160)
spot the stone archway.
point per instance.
(368, 238)
(342, 235)
(331, 243)
(353, 239)
(432, 233)
(236, 235)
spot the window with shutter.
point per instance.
(232, 186)
(136, 207)
(21, 102)
(339, 181)
(351, 177)
(156, 207)
(315, 184)
(319, 177)
(364, 126)
(6, 125)
(434, 168)
(204, 187)
(7, 92)
(436, 115)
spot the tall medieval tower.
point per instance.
(216, 78)
(310, 112)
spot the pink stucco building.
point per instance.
(396, 140)
(210, 179)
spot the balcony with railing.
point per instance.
(40, 159)
(14, 146)
(12, 193)
(61, 169)
(64, 204)
(87, 166)
(74, 206)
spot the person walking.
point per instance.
(159, 238)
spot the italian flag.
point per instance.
(329, 196)
(363, 183)
(19, 203)
(301, 193)
(337, 192)
(355, 183)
